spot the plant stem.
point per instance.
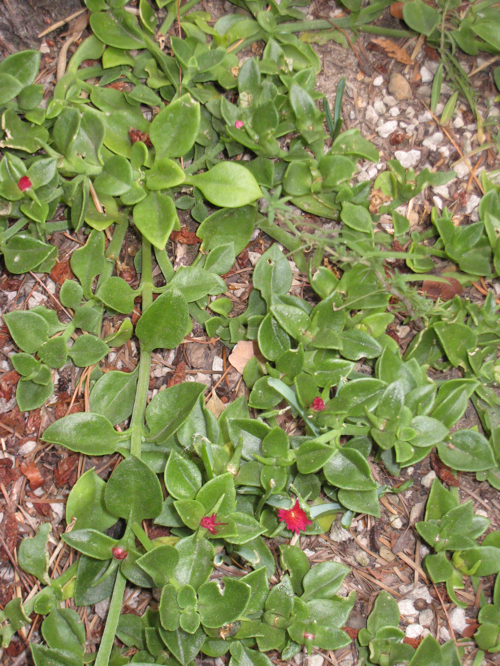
(165, 264)
(141, 395)
(112, 620)
(172, 13)
(323, 24)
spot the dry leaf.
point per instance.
(444, 472)
(10, 531)
(8, 382)
(443, 290)
(66, 471)
(32, 473)
(8, 473)
(241, 354)
(61, 272)
(185, 236)
(215, 405)
(179, 376)
(393, 50)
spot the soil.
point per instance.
(35, 479)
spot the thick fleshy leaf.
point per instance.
(86, 504)
(156, 217)
(170, 408)
(228, 185)
(143, 496)
(165, 322)
(174, 130)
(28, 329)
(91, 434)
(467, 451)
(113, 395)
(221, 605)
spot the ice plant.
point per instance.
(239, 124)
(295, 518)
(119, 553)
(24, 183)
(210, 523)
(318, 405)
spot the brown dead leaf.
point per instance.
(352, 632)
(414, 642)
(10, 531)
(8, 473)
(470, 629)
(241, 354)
(43, 508)
(185, 236)
(179, 376)
(443, 290)
(61, 272)
(8, 383)
(32, 473)
(397, 10)
(215, 405)
(393, 50)
(33, 422)
(66, 472)
(443, 472)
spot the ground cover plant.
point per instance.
(241, 146)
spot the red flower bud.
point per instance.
(309, 637)
(239, 124)
(318, 405)
(119, 553)
(24, 183)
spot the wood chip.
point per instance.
(241, 354)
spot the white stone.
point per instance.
(218, 364)
(417, 512)
(462, 170)
(458, 123)
(387, 128)
(414, 630)
(424, 117)
(254, 257)
(361, 558)
(394, 112)
(407, 608)
(444, 634)
(390, 101)
(372, 173)
(426, 75)
(410, 112)
(428, 479)
(36, 299)
(424, 550)
(426, 617)
(379, 107)
(220, 662)
(442, 191)
(482, 512)
(421, 592)
(101, 608)
(316, 660)
(397, 523)
(202, 378)
(438, 202)
(439, 109)
(433, 141)
(458, 620)
(339, 534)
(408, 158)
(432, 65)
(472, 204)
(378, 81)
(26, 448)
(371, 116)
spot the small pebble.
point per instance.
(433, 141)
(362, 558)
(339, 534)
(394, 112)
(428, 479)
(458, 620)
(407, 608)
(26, 448)
(426, 75)
(408, 159)
(390, 100)
(378, 81)
(387, 128)
(371, 116)
(414, 630)
(379, 107)
(426, 617)
(458, 123)
(399, 87)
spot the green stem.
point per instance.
(323, 24)
(112, 620)
(142, 536)
(172, 14)
(165, 264)
(12, 231)
(141, 396)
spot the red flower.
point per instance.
(295, 518)
(210, 524)
(24, 183)
(318, 405)
(119, 553)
